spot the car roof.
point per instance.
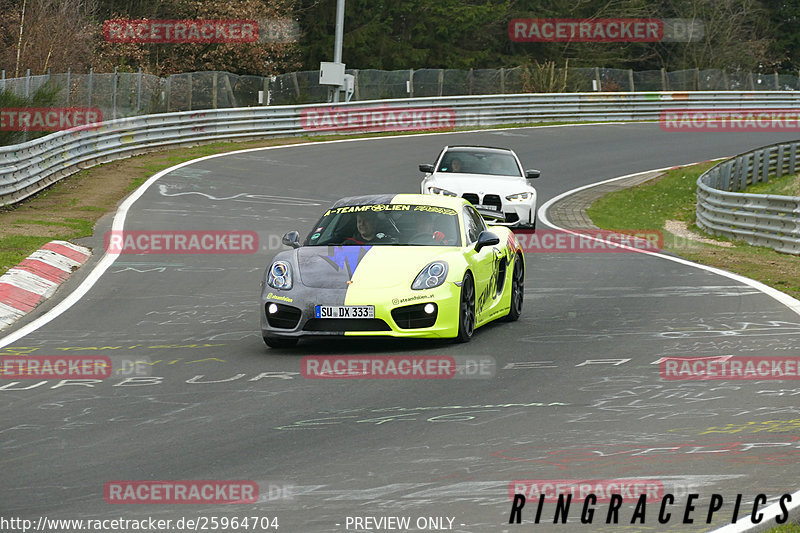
(416, 199)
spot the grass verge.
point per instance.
(671, 197)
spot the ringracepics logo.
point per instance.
(49, 118)
(724, 120)
(181, 242)
(612, 30)
(383, 118)
(180, 492)
(589, 241)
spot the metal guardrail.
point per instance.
(29, 167)
(759, 219)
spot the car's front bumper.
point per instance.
(398, 313)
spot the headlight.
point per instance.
(519, 197)
(431, 276)
(441, 192)
(280, 275)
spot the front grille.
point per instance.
(470, 197)
(346, 324)
(414, 316)
(492, 199)
(287, 316)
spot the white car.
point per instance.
(492, 179)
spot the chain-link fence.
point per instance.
(121, 94)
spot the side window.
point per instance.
(473, 223)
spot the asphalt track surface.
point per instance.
(575, 393)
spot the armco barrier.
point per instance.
(759, 219)
(29, 167)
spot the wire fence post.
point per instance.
(69, 84)
(114, 95)
(3, 79)
(410, 88)
(214, 90)
(630, 80)
(28, 84)
(139, 91)
(441, 80)
(189, 91)
(91, 78)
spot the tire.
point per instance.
(517, 290)
(466, 310)
(280, 342)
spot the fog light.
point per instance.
(273, 308)
(430, 308)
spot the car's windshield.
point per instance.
(387, 225)
(479, 162)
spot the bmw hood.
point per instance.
(331, 267)
(474, 183)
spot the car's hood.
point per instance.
(479, 183)
(331, 267)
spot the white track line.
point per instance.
(744, 524)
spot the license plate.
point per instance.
(344, 311)
(492, 207)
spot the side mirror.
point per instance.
(486, 238)
(532, 174)
(426, 168)
(292, 239)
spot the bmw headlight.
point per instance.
(280, 275)
(519, 197)
(431, 276)
(440, 191)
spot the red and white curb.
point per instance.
(37, 277)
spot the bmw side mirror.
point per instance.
(486, 238)
(426, 168)
(532, 174)
(292, 239)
